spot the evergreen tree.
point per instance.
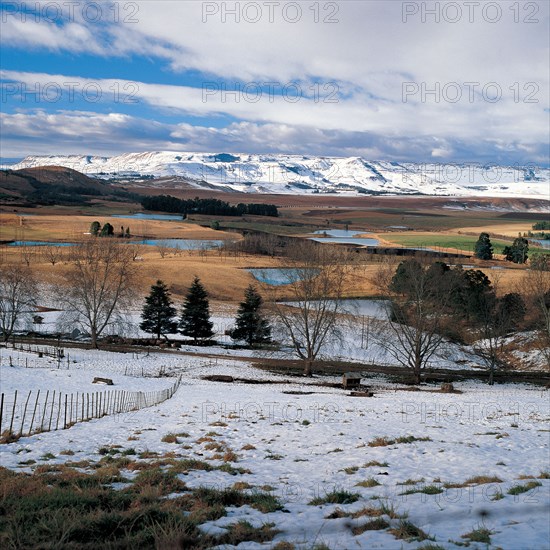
(483, 249)
(107, 230)
(127, 234)
(95, 227)
(517, 253)
(195, 317)
(250, 325)
(158, 312)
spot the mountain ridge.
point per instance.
(303, 174)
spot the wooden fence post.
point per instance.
(34, 412)
(51, 412)
(13, 413)
(24, 413)
(44, 413)
(58, 411)
(65, 416)
(1, 412)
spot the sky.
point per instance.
(386, 80)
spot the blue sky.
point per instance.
(404, 81)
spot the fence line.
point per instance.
(57, 410)
(10, 357)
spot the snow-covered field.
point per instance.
(307, 445)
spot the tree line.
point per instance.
(159, 316)
(107, 230)
(212, 207)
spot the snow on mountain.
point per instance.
(310, 174)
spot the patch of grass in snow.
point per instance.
(411, 481)
(27, 462)
(426, 490)
(475, 480)
(284, 545)
(519, 489)
(370, 482)
(430, 546)
(67, 452)
(263, 502)
(243, 531)
(544, 475)
(8, 437)
(481, 534)
(373, 525)
(350, 470)
(47, 456)
(373, 463)
(336, 497)
(230, 456)
(409, 532)
(163, 481)
(231, 470)
(78, 510)
(248, 447)
(385, 441)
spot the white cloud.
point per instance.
(369, 53)
(80, 132)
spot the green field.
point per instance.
(458, 242)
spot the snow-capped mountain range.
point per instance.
(294, 174)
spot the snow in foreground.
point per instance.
(307, 445)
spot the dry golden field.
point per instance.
(225, 276)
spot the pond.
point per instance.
(343, 236)
(545, 243)
(38, 243)
(144, 216)
(279, 276)
(179, 244)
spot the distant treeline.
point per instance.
(542, 225)
(213, 207)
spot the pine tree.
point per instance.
(483, 249)
(95, 228)
(517, 253)
(158, 312)
(195, 317)
(250, 325)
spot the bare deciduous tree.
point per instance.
(412, 332)
(99, 286)
(18, 293)
(536, 286)
(315, 276)
(52, 254)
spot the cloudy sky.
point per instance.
(418, 81)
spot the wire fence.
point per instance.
(38, 411)
(45, 357)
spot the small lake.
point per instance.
(143, 216)
(38, 243)
(277, 276)
(342, 236)
(178, 244)
(545, 243)
(181, 244)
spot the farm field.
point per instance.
(437, 241)
(406, 469)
